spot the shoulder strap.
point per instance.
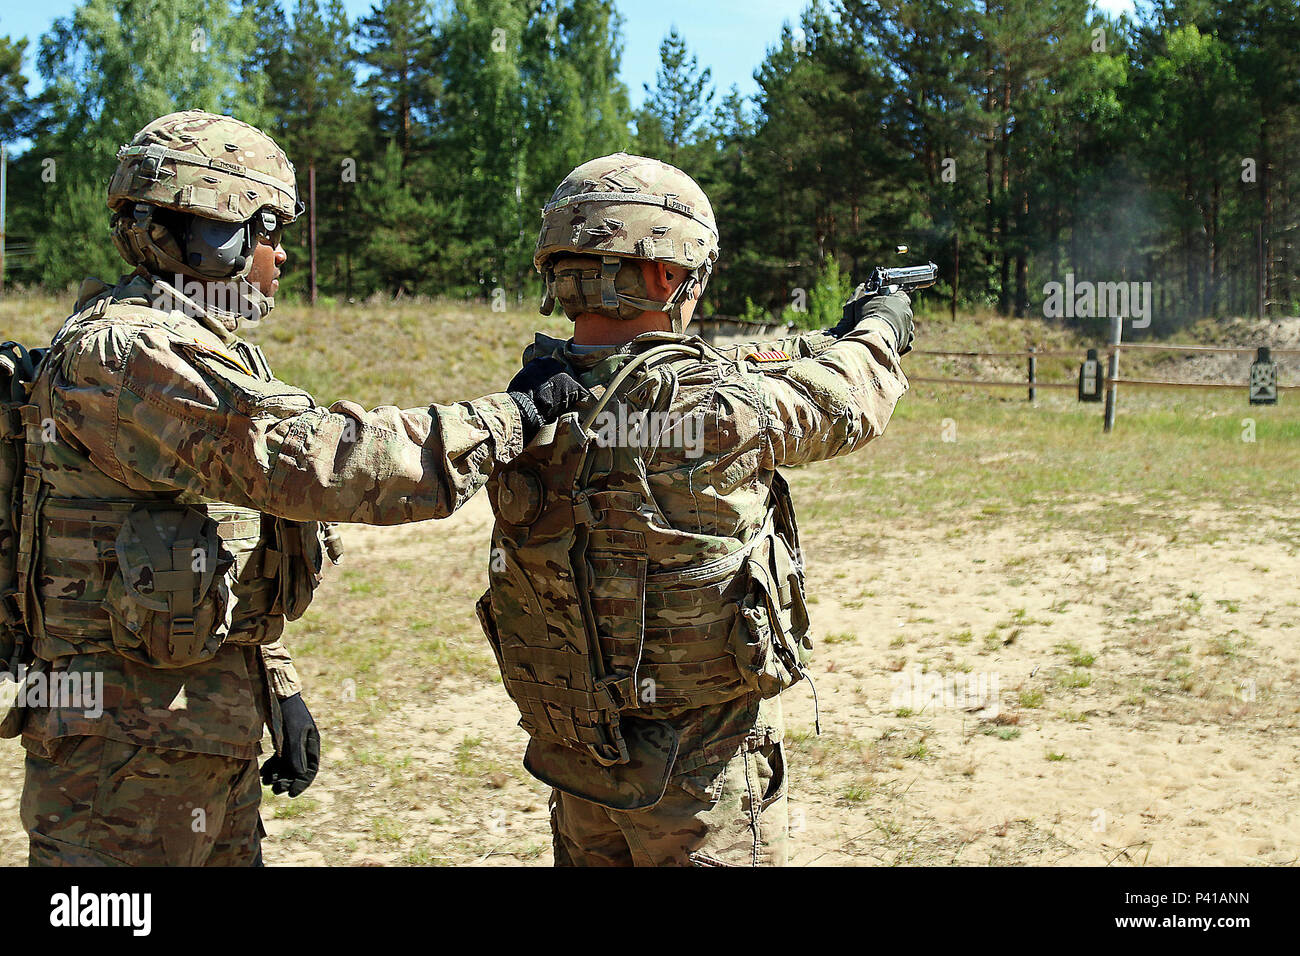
(639, 362)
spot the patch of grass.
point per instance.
(1227, 645)
(856, 793)
(1002, 733)
(844, 637)
(1078, 657)
(292, 808)
(466, 759)
(387, 830)
(1031, 698)
(420, 856)
(917, 751)
(1075, 679)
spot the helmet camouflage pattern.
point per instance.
(211, 178)
(211, 166)
(623, 207)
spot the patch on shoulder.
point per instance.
(768, 356)
(220, 356)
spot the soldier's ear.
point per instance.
(657, 281)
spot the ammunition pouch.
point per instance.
(296, 561)
(770, 638)
(169, 604)
(166, 584)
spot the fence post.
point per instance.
(1033, 372)
(1112, 373)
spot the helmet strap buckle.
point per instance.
(609, 266)
(548, 297)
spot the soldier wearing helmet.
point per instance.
(175, 508)
(646, 602)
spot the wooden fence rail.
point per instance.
(1109, 380)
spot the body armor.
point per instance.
(165, 578)
(607, 621)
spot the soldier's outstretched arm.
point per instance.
(803, 345)
(169, 414)
(834, 403)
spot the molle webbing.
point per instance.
(669, 629)
(617, 635)
(77, 562)
(692, 667)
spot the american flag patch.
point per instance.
(772, 356)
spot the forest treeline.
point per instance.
(1013, 142)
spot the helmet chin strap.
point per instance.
(258, 299)
(673, 306)
(133, 239)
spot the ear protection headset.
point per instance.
(208, 248)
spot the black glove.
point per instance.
(543, 391)
(292, 769)
(894, 308)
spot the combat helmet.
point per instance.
(193, 191)
(621, 207)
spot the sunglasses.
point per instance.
(267, 227)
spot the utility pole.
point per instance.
(4, 161)
(311, 227)
(1112, 373)
(956, 269)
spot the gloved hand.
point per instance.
(543, 391)
(894, 308)
(293, 768)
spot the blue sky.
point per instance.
(729, 36)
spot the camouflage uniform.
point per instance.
(646, 600)
(172, 527)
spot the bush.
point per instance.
(825, 305)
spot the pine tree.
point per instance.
(320, 120)
(396, 43)
(669, 119)
(15, 105)
(110, 67)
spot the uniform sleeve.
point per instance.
(280, 672)
(820, 407)
(804, 345)
(158, 414)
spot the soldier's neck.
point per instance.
(592, 329)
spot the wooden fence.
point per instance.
(1110, 380)
(726, 329)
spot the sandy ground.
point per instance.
(1146, 708)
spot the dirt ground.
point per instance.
(1141, 708)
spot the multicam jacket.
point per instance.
(180, 488)
(645, 559)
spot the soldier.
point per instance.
(170, 517)
(646, 600)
